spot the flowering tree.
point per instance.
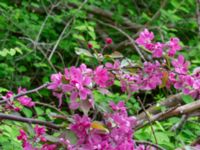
(88, 127)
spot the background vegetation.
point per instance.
(41, 37)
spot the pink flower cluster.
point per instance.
(39, 137)
(23, 100)
(119, 134)
(78, 81)
(147, 78)
(145, 39)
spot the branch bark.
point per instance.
(25, 93)
(29, 120)
(181, 110)
(171, 101)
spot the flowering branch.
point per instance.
(25, 93)
(29, 120)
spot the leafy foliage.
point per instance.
(31, 29)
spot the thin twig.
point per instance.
(44, 22)
(198, 14)
(125, 34)
(25, 93)
(151, 125)
(63, 31)
(50, 106)
(149, 144)
(141, 123)
(179, 124)
(29, 120)
(157, 14)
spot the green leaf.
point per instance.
(80, 51)
(3, 89)
(187, 99)
(28, 113)
(12, 52)
(39, 110)
(4, 52)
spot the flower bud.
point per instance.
(108, 40)
(90, 45)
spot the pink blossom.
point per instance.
(49, 147)
(150, 77)
(25, 100)
(39, 130)
(22, 135)
(10, 104)
(56, 80)
(80, 126)
(145, 39)
(158, 50)
(101, 76)
(180, 65)
(75, 80)
(29, 146)
(39, 133)
(174, 45)
(118, 107)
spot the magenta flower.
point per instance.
(158, 50)
(39, 133)
(101, 76)
(56, 80)
(39, 130)
(49, 147)
(25, 100)
(150, 77)
(118, 107)
(196, 84)
(174, 45)
(22, 135)
(80, 126)
(28, 146)
(180, 65)
(145, 39)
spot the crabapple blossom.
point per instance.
(174, 45)
(145, 38)
(180, 65)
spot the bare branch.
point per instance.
(171, 101)
(63, 31)
(198, 14)
(126, 35)
(149, 144)
(29, 120)
(25, 93)
(148, 118)
(181, 110)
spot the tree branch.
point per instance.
(126, 35)
(181, 110)
(29, 120)
(169, 102)
(149, 144)
(25, 93)
(63, 31)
